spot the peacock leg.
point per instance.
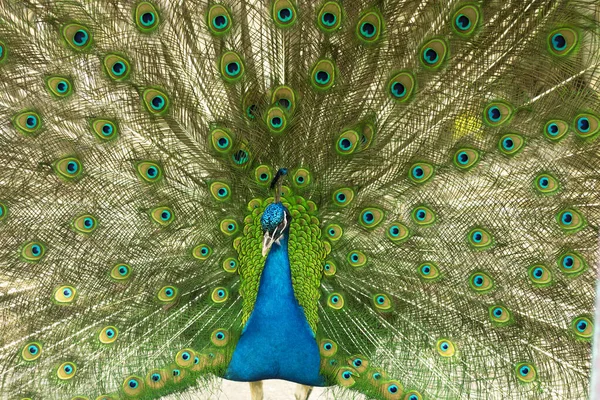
(256, 390)
(302, 392)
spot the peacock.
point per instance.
(395, 197)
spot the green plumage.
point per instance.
(443, 183)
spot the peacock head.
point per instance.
(276, 218)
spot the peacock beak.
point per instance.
(273, 237)
(267, 242)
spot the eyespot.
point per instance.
(229, 227)
(116, 67)
(177, 374)
(583, 327)
(335, 301)
(329, 269)
(369, 27)
(327, 348)
(382, 302)
(397, 232)
(77, 36)
(413, 395)
(420, 172)
(392, 390)
(347, 142)
(250, 104)
(428, 271)
(466, 158)
(570, 220)
(59, 86)
(370, 217)
(301, 178)
(400, 86)
(218, 20)
(263, 175)
(66, 371)
(586, 125)
(359, 363)
(220, 337)
(185, 358)
(104, 129)
(345, 377)
(85, 224)
(510, 144)
(241, 156)
(162, 215)
(3, 52)
(230, 264)
(329, 17)
(571, 263)
(202, 251)
(323, 74)
(540, 275)
(555, 130)
(231, 66)
(481, 282)
(68, 168)
(562, 41)
(276, 120)
(156, 378)
(357, 258)
(108, 334)
(33, 251)
(500, 315)
(146, 17)
(285, 98)
(376, 377)
(368, 133)
(220, 191)
(497, 113)
(480, 239)
(445, 348)
(333, 232)
(342, 197)
(3, 211)
(149, 171)
(168, 294)
(253, 205)
(120, 272)
(423, 216)
(221, 140)
(546, 184)
(525, 372)
(27, 122)
(283, 13)
(156, 101)
(31, 351)
(133, 386)
(466, 20)
(220, 295)
(434, 53)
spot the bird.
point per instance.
(396, 198)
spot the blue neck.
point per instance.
(277, 341)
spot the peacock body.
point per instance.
(396, 197)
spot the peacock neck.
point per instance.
(275, 289)
(277, 341)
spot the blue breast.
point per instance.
(277, 342)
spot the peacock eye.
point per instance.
(167, 294)
(525, 372)
(231, 66)
(220, 295)
(368, 28)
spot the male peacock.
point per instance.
(398, 197)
